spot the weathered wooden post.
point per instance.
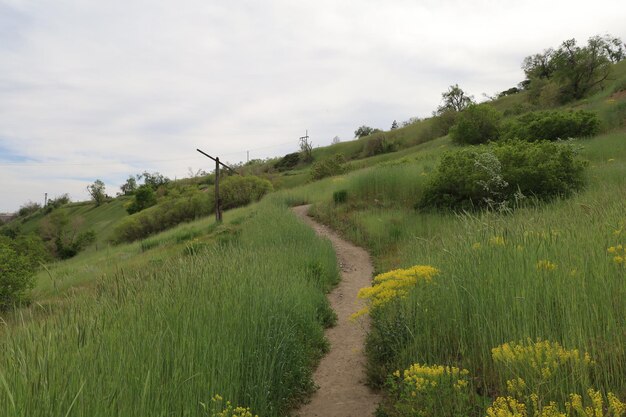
(218, 202)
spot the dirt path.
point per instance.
(341, 373)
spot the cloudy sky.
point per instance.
(105, 89)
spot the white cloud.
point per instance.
(107, 89)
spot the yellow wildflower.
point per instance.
(545, 265)
(507, 407)
(496, 241)
(476, 246)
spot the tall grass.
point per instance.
(538, 272)
(243, 318)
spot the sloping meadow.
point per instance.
(240, 320)
(525, 307)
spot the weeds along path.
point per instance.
(341, 373)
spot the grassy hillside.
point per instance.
(205, 311)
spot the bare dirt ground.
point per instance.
(341, 373)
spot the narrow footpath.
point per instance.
(340, 375)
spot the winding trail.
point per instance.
(340, 375)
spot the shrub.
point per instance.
(164, 215)
(28, 209)
(328, 167)
(61, 233)
(287, 162)
(552, 125)
(378, 145)
(237, 191)
(16, 275)
(477, 124)
(499, 174)
(340, 196)
(144, 198)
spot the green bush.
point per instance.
(328, 167)
(16, 275)
(552, 125)
(164, 215)
(477, 124)
(237, 191)
(144, 198)
(377, 145)
(287, 162)
(500, 174)
(340, 196)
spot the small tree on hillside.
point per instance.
(394, 125)
(336, 140)
(363, 131)
(97, 192)
(455, 99)
(130, 186)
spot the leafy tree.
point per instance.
(477, 124)
(573, 71)
(130, 186)
(335, 140)
(394, 125)
(455, 99)
(97, 192)
(153, 180)
(28, 208)
(288, 161)
(363, 131)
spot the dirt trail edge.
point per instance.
(340, 375)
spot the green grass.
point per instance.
(243, 317)
(488, 294)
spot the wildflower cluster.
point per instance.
(540, 359)
(427, 390)
(619, 254)
(574, 407)
(394, 284)
(423, 377)
(221, 409)
(546, 265)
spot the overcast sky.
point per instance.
(106, 89)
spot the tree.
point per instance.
(63, 235)
(96, 191)
(363, 131)
(572, 71)
(394, 125)
(154, 180)
(130, 186)
(336, 140)
(454, 99)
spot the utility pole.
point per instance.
(45, 200)
(218, 205)
(247, 156)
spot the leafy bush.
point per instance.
(144, 198)
(328, 167)
(16, 274)
(164, 215)
(62, 235)
(499, 174)
(340, 196)
(28, 209)
(287, 162)
(477, 124)
(378, 145)
(55, 203)
(237, 191)
(552, 125)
